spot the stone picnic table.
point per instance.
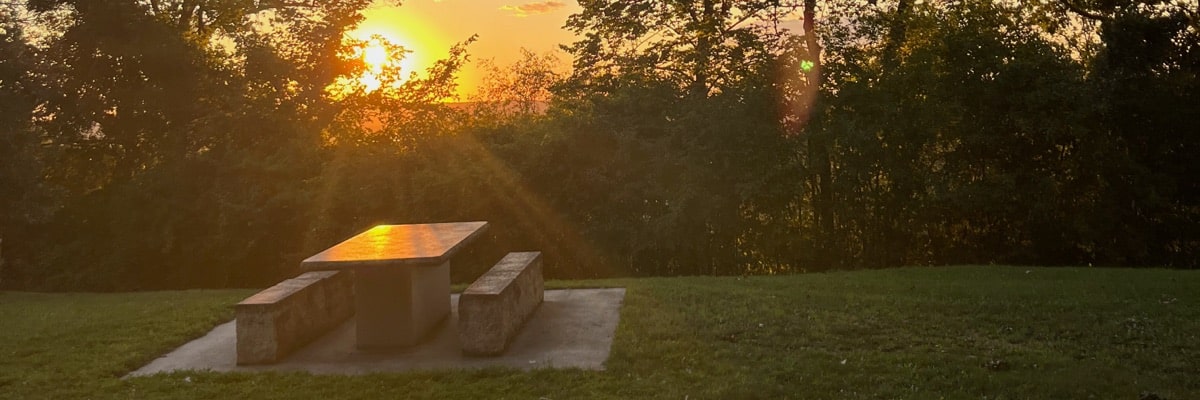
(401, 278)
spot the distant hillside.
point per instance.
(538, 107)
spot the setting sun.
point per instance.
(376, 56)
(429, 28)
(392, 40)
(385, 54)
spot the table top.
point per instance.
(384, 245)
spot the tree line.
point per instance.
(195, 143)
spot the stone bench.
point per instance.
(282, 318)
(492, 310)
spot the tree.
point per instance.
(187, 158)
(697, 46)
(673, 110)
(519, 91)
(25, 200)
(1145, 75)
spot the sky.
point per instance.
(430, 27)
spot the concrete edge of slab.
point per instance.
(573, 328)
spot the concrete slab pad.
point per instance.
(571, 329)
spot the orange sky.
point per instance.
(429, 27)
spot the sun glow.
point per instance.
(376, 56)
(392, 46)
(429, 28)
(388, 59)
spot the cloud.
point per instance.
(528, 9)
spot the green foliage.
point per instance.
(25, 200)
(971, 142)
(1147, 75)
(963, 148)
(698, 46)
(956, 332)
(216, 143)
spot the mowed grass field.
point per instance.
(971, 332)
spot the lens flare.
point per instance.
(807, 65)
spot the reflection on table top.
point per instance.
(397, 245)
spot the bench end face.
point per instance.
(496, 306)
(256, 343)
(276, 321)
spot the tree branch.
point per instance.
(1083, 13)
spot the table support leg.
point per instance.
(397, 306)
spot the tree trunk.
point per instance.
(818, 143)
(705, 39)
(812, 73)
(897, 34)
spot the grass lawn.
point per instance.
(910, 333)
